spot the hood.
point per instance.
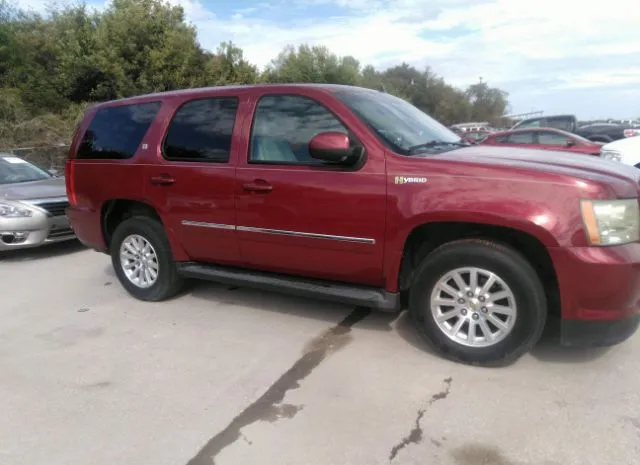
(548, 161)
(628, 148)
(43, 189)
(628, 143)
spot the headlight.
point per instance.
(14, 210)
(610, 222)
(612, 155)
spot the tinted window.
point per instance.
(531, 124)
(560, 123)
(551, 138)
(521, 138)
(283, 126)
(116, 132)
(201, 130)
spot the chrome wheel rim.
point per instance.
(473, 307)
(139, 261)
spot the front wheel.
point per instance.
(478, 302)
(142, 259)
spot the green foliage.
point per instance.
(52, 66)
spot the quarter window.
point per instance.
(283, 126)
(201, 130)
(116, 132)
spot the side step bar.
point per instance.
(322, 290)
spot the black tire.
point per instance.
(512, 268)
(168, 283)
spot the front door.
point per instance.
(295, 214)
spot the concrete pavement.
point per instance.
(222, 375)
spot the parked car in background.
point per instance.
(625, 151)
(357, 196)
(544, 139)
(32, 205)
(596, 132)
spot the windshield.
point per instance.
(14, 170)
(400, 125)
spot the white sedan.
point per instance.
(625, 151)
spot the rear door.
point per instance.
(192, 179)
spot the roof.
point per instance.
(238, 88)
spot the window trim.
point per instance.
(109, 107)
(323, 166)
(201, 160)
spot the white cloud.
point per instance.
(519, 45)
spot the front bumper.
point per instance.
(599, 293)
(37, 230)
(583, 333)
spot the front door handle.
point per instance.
(258, 186)
(162, 180)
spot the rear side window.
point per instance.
(116, 132)
(201, 130)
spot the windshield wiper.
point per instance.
(435, 143)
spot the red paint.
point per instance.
(578, 144)
(533, 191)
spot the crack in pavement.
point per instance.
(269, 406)
(415, 435)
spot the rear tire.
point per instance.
(142, 260)
(503, 312)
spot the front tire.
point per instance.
(142, 259)
(478, 302)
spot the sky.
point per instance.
(556, 56)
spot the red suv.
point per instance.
(356, 196)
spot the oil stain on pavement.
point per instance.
(269, 406)
(415, 435)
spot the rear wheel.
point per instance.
(142, 259)
(478, 302)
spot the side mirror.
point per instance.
(333, 147)
(570, 142)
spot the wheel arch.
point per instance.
(426, 237)
(115, 211)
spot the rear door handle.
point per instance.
(162, 180)
(257, 186)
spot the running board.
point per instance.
(370, 297)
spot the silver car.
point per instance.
(32, 205)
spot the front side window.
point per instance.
(283, 125)
(551, 138)
(400, 125)
(521, 138)
(201, 130)
(116, 132)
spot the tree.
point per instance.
(228, 66)
(312, 64)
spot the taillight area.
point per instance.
(70, 181)
(632, 132)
